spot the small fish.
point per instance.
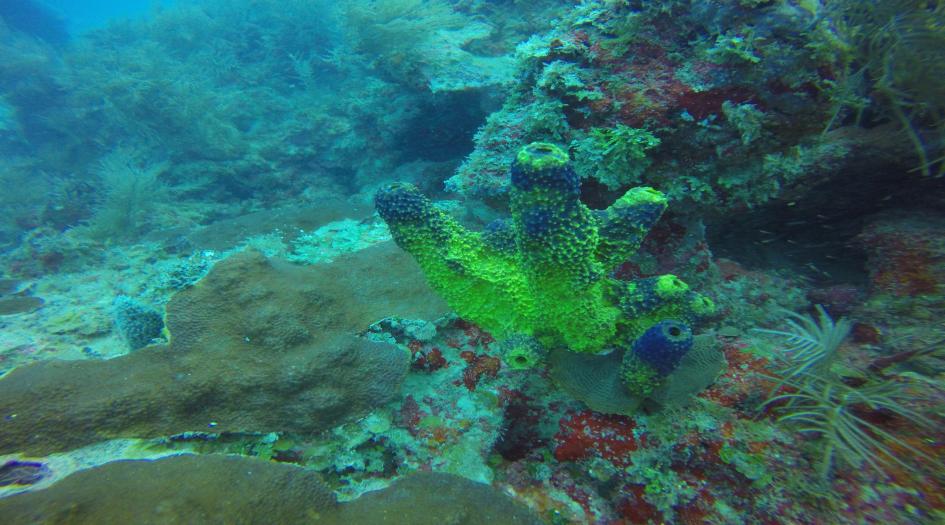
(818, 270)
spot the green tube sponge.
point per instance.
(557, 238)
(645, 302)
(557, 235)
(544, 272)
(477, 280)
(624, 225)
(521, 352)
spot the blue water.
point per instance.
(82, 15)
(77, 16)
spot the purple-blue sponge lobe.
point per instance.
(664, 345)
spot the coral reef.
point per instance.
(257, 345)
(229, 107)
(888, 57)
(424, 43)
(217, 160)
(730, 117)
(906, 254)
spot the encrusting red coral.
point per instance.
(478, 365)
(589, 433)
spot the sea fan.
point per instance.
(821, 404)
(835, 413)
(811, 343)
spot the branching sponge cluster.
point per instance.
(544, 274)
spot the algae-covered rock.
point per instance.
(19, 304)
(177, 489)
(258, 345)
(14, 302)
(9, 286)
(428, 498)
(239, 490)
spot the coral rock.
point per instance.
(227, 489)
(906, 254)
(259, 345)
(427, 498)
(178, 489)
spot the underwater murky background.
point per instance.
(472, 261)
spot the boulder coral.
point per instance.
(204, 489)
(258, 345)
(216, 489)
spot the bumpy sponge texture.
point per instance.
(654, 355)
(478, 281)
(138, 323)
(544, 272)
(521, 352)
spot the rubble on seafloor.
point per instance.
(461, 410)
